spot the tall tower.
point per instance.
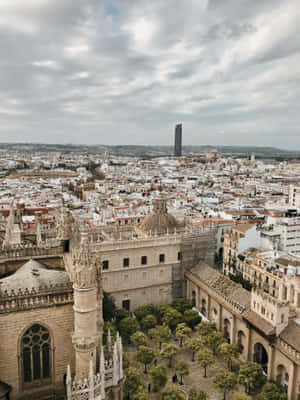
(178, 140)
(86, 329)
(93, 375)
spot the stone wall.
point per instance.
(59, 321)
(155, 282)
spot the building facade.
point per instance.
(178, 141)
(260, 324)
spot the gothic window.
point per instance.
(36, 355)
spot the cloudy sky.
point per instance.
(125, 71)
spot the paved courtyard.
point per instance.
(194, 379)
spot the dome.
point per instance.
(159, 221)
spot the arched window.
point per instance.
(261, 356)
(203, 307)
(36, 355)
(194, 298)
(282, 377)
(241, 338)
(227, 329)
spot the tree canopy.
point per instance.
(138, 338)
(229, 351)
(191, 318)
(172, 318)
(251, 376)
(145, 355)
(133, 382)
(193, 344)
(181, 304)
(148, 322)
(225, 381)
(169, 351)
(271, 391)
(182, 332)
(142, 311)
(205, 328)
(160, 334)
(205, 358)
(159, 377)
(171, 392)
(127, 327)
(109, 307)
(213, 340)
(194, 394)
(182, 368)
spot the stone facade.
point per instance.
(142, 271)
(58, 320)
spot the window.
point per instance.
(161, 258)
(179, 256)
(125, 262)
(126, 304)
(36, 355)
(144, 260)
(105, 265)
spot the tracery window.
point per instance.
(36, 355)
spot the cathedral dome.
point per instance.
(159, 221)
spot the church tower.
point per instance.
(93, 374)
(86, 333)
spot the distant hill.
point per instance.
(154, 151)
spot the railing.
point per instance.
(26, 252)
(45, 296)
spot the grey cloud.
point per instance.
(228, 31)
(120, 71)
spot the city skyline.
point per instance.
(123, 72)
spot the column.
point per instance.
(270, 361)
(208, 307)
(219, 327)
(233, 330)
(188, 294)
(292, 383)
(249, 344)
(197, 297)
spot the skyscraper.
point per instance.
(178, 140)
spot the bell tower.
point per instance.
(87, 321)
(94, 375)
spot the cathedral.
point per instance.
(51, 292)
(51, 319)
